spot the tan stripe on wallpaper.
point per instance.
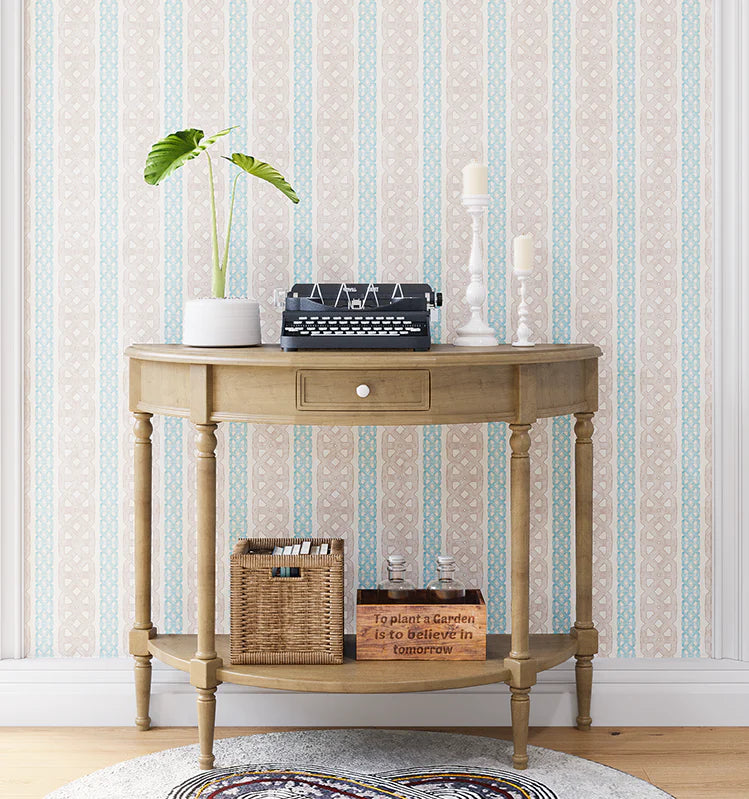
(658, 312)
(464, 140)
(76, 345)
(335, 135)
(205, 91)
(529, 204)
(593, 255)
(399, 494)
(271, 47)
(334, 257)
(141, 258)
(400, 505)
(464, 519)
(335, 500)
(270, 453)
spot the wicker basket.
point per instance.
(286, 619)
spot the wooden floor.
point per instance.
(687, 762)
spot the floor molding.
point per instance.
(639, 692)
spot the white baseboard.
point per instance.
(99, 692)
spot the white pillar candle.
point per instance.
(523, 253)
(475, 180)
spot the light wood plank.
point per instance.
(439, 354)
(441, 386)
(368, 676)
(688, 762)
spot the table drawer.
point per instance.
(362, 390)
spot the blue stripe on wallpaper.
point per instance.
(173, 300)
(625, 346)
(432, 233)
(367, 542)
(367, 270)
(237, 282)
(44, 319)
(303, 481)
(303, 267)
(561, 123)
(109, 343)
(690, 328)
(497, 314)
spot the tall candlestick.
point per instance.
(523, 334)
(523, 253)
(476, 332)
(475, 179)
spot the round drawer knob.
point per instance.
(362, 390)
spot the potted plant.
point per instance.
(218, 321)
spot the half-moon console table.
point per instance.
(445, 385)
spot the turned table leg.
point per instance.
(143, 629)
(520, 664)
(205, 663)
(587, 636)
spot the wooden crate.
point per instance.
(416, 628)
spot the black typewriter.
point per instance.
(358, 316)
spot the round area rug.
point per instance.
(365, 764)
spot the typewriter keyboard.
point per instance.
(353, 325)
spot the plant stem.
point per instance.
(219, 279)
(225, 261)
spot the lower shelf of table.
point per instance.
(368, 676)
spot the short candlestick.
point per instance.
(524, 331)
(476, 332)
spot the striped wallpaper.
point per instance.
(596, 121)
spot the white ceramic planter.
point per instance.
(221, 323)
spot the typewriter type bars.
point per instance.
(325, 316)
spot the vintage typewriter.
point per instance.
(332, 316)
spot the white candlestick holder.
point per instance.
(476, 332)
(523, 334)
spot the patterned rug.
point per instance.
(463, 783)
(281, 782)
(359, 764)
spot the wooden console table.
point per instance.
(445, 385)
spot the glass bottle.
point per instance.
(396, 585)
(446, 587)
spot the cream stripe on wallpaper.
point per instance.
(334, 256)
(399, 248)
(271, 232)
(139, 268)
(529, 212)
(464, 519)
(596, 120)
(659, 250)
(74, 288)
(593, 254)
(236, 475)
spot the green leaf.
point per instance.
(265, 171)
(176, 149)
